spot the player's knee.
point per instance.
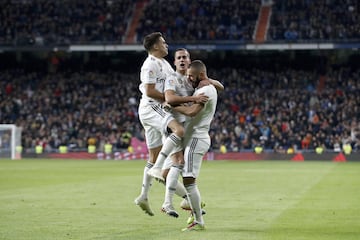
(180, 131)
(177, 128)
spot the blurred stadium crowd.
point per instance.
(39, 22)
(321, 20)
(71, 108)
(200, 20)
(276, 109)
(288, 109)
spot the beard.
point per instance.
(195, 83)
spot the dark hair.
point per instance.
(198, 65)
(151, 39)
(181, 49)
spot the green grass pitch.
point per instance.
(89, 199)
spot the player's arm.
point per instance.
(151, 91)
(218, 85)
(173, 99)
(190, 111)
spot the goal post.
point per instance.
(10, 141)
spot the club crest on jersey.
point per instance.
(171, 82)
(151, 74)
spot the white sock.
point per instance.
(195, 201)
(147, 181)
(180, 190)
(171, 183)
(169, 145)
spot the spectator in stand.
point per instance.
(187, 19)
(38, 22)
(43, 22)
(320, 20)
(69, 108)
(74, 107)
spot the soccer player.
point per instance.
(178, 90)
(197, 141)
(153, 118)
(154, 71)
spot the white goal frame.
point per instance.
(15, 138)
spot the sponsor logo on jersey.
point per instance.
(160, 80)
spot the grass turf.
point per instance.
(86, 199)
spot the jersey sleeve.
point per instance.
(149, 72)
(209, 91)
(200, 91)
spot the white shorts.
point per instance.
(154, 120)
(195, 149)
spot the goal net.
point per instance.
(10, 141)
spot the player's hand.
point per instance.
(201, 98)
(167, 107)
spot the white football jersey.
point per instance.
(199, 125)
(154, 71)
(182, 87)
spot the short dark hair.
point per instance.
(151, 39)
(198, 65)
(182, 49)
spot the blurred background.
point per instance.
(69, 70)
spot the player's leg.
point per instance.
(194, 198)
(147, 180)
(142, 199)
(193, 156)
(180, 188)
(172, 183)
(170, 144)
(154, 144)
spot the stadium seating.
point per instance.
(315, 20)
(39, 22)
(277, 110)
(42, 22)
